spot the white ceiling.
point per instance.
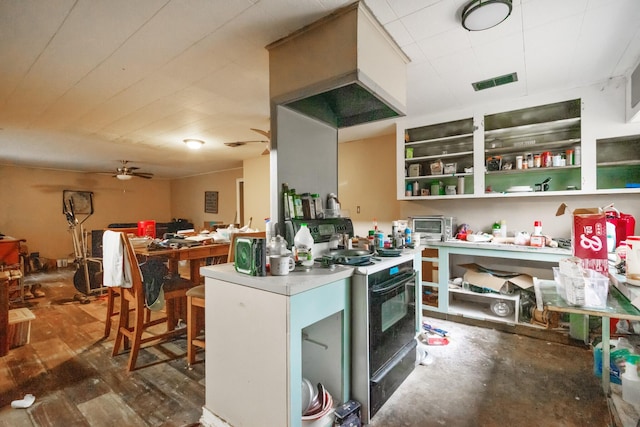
(85, 83)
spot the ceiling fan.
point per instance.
(125, 172)
(264, 133)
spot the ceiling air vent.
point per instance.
(495, 81)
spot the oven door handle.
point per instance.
(392, 284)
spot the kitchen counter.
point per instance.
(264, 334)
(501, 247)
(294, 283)
(300, 280)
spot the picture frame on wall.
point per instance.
(211, 202)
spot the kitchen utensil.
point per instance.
(308, 394)
(351, 256)
(385, 252)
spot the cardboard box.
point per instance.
(589, 237)
(494, 279)
(19, 331)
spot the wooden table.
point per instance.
(195, 255)
(618, 306)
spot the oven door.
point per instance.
(392, 318)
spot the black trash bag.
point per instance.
(154, 272)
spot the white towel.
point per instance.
(116, 266)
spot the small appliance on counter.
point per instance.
(433, 228)
(250, 256)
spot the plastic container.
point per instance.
(589, 290)
(616, 356)
(631, 381)
(303, 246)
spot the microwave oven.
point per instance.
(433, 228)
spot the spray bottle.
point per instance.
(630, 380)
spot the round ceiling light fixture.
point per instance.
(124, 176)
(480, 15)
(194, 144)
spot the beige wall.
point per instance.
(367, 178)
(256, 191)
(187, 197)
(32, 205)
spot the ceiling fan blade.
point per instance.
(266, 133)
(234, 144)
(240, 143)
(145, 175)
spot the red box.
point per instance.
(589, 236)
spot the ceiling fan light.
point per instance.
(124, 176)
(194, 144)
(481, 15)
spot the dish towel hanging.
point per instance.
(116, 266)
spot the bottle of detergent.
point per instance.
(303, 246)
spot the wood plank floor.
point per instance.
(69, 369)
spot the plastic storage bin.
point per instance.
(589, 290)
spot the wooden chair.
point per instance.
(133, 323)
(195, 298)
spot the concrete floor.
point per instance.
(485, 377)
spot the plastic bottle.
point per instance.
(303, 244)
(394, 233)
(407, 237)
(285, 201)
(297, 206)
(630, 380)
(537, 239)
(503, 228)
(496, 229)
(317, 205)
(292, 209)
(621, 252)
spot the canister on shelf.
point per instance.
(460, 187)
(570, 159)
(415, 188)
(435, 188)
(518, 162)
(536, 161)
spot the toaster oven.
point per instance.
(433, 228)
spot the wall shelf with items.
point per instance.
(522, 147)
(441, 153)
(618, 163)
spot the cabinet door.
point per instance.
(618, 163)
(534, 149)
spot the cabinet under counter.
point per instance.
(264, 334)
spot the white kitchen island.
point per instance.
(263, 334)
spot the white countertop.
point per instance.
(500, 247)
(293, 283)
